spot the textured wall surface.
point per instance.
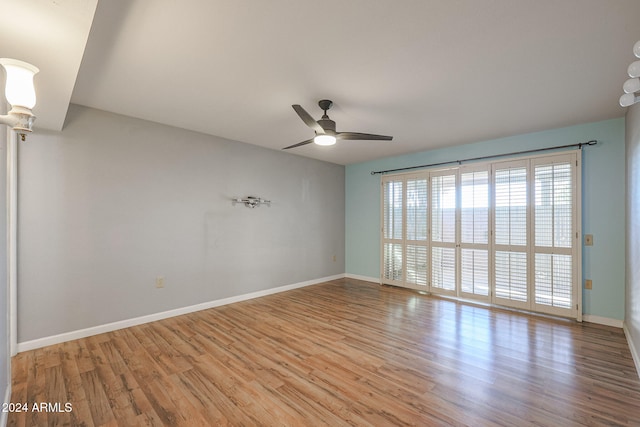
(111, 203)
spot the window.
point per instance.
(443, 232)
(504, 232)
(416, 235)
(511, 234)
(393, 220)
(474, 232)
(554, 234)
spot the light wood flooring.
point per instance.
(345, 352)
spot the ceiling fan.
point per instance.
(325, 128)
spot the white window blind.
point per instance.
(416, 231)
(504, 232)
(474, 232)
(417, 265)
(554, 206)
(475, 271)
(554, 235)
(443, 261)
(443, 232)
(417, 209)
(511, 275)
(392, 230)
(510, 224)
(443, 208)
(553, 280)
(392, 227)
(474, 207)
(393, 261)
(511, 206)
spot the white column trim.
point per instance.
(12, 232)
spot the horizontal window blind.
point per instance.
(554, 235)
(503, 232)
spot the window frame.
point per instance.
(573, 157)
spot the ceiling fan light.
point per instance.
(324, 139)
(636, 49)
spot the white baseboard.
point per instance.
(365, 278)
(633, 348)
(607, 321)
(7, 399)
(95, 330)
(585, 317)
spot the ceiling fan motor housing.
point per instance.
(325, 104)
(325, 122)
(328, 125)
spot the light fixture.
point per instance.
(20, 94)
(634, 69)
(324, 139)
(628, 99)
(251, 201)
(632, 85)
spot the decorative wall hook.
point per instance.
(251, 201)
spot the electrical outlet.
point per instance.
(588, 239)
(588, 284)
(159, 282)
(334, 258)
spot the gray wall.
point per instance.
(632, 297)
(112, 202)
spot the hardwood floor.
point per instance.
(344, 352)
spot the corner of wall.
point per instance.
(6, 401)
(632, 223)
(633, 348)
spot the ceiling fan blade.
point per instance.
(299, 144)
(307, 119)
(363, 136)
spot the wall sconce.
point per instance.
(251, 202)
(632, 86)
(20, 94)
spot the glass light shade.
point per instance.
(636, 49)
(631, 85)
(634, 69)
(19, 88)
(324, 139)
(627, 99)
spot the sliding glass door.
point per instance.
(404, 231)
(502, 232)
(474, 233)
(416, 232)
(444, 235)
(510, 247)
(554, 236)
(393, 245)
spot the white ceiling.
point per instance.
(432, 73)
(51, 35)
